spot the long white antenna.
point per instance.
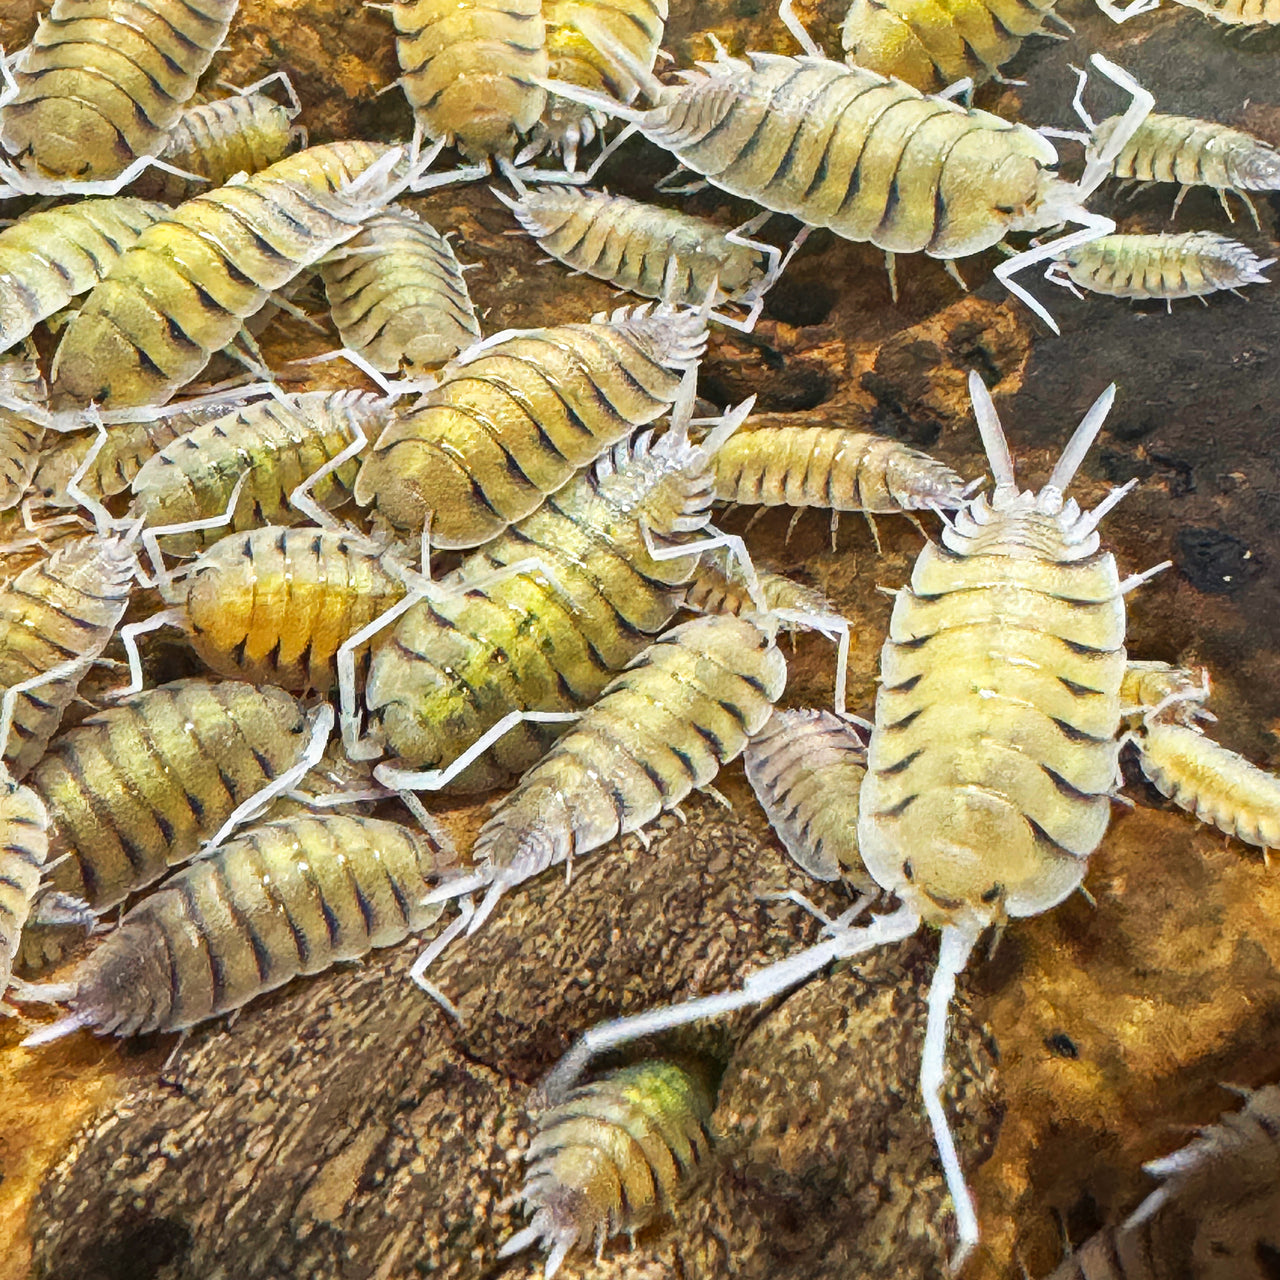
(993, 441)
(1073, 455)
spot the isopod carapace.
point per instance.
(471, 71)
(133, 790)
(24, 847)
(516, 415)
(183, 290)
(274, 446)
(56, 618)
(51, 256)
(21, 430)
(933, 44)
(806, 769)
(285, 899)
(98, 88)
(398, 296)
(615, 1156)
(1192, 264)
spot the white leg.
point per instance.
(797, 29)
(103, 520)
(129, 638)
(258, 85)
(301, 500)
(962, 88)
(836, 629)
(1098, 168)
(1117, 13)
(957, 943)
(151, 537)
(730, 541)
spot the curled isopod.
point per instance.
(615, 1156)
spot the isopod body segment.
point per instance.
(24, 847)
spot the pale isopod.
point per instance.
(286, 899)
(95, 93)
(185, 287)
(1161, 691)
(1189, 265)
(615, 1156)
(24, 846)
(516, 415)
(1232, 13)
(398, 296)
(21, 382)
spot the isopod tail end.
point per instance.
(993, 438)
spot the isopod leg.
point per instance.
(129, 638)
(836, 629)
(151, 537)
(295, 105)
(1098, 168)
(1094, 227)
(1122, 14)
(797, 28)
(301, 499)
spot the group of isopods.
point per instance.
(567, 470)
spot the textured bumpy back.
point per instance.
(516, 416)
(398, 296)
(185, 287)
(24, 846)
(133, 790)
(103, 81)
(547, 639)
(288, 898)
(471, 71)
(839, 147)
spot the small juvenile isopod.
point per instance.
(24, 846)
(514, 416)
(286, 899)
(397, 294)
(1187, 265)
(720, 587)
(615, 1156)
(21, 433)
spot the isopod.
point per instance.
(514, 416)
(806, 769)
(1232, 13)
(185, 287)
(868, 157)
(21, 433)
(397, 294)
(24, 847)
(286, 899)
(91, 99)
(936, 44)
(655, 252)
(719, 586)
(616, 1156)
(1161, 691)
(134, 789)
(1189, 265)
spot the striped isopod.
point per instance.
(1216, 1215)
(24, 846)
(655, 252)
(397, 294)
(133, 790)
(516, 415)
(98, 88)
(994, 754)
(188, 283)
(1194, 153)
(21, 432)
(471, 71)
(663, 727)
(582, 36)
(614, 1157)
(216, 140)
(1189, 265)
(48, 258)
(277, 446)
(56, 618)
(719, 586)
(1232, 13)
(937, 43)
(539, 620)
(806, 768)
(871, 158)
(273, 605)
(286, 899)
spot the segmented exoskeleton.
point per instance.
(933, 44)
(398, 296)
(517, 414)
(871, 158)
(1194, 153)
(1189, 265)
(56, 618)
(1232, 13)
(806, 768)
(24, 846)
(719, 586)
(614, 1157)
(98, 88)
(471, 71)
(216, 140)
(286, 899)
(1217, 1212)
(133, 790)
(539, 620)
(48, 258)
(21, 382)
(184, 289)
(1161, 691)
(589, 43)
(655, 252)
(275, 446)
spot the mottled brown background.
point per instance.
(343, 1128)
